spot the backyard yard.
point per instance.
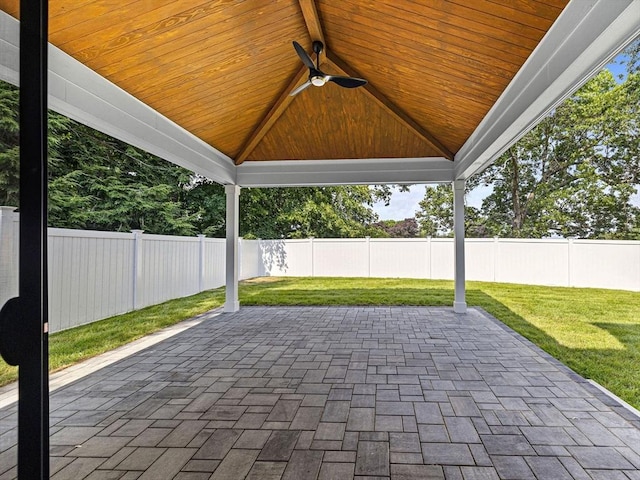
(596, 332)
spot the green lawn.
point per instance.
(596, 332)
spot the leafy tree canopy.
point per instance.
(573, 175)
(407, 228)
(99, 183)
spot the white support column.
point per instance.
(459, 301)
(231, 303)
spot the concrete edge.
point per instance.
(613, 396)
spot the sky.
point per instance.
(405, 204)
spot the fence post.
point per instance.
(8, 254)
(569, 255)
(261, 266)
(368, 256)
(495, 256)
(137, 267)
(201, 259)
(312, 259)
(240, 273)
(430, 258)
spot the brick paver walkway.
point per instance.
(337, 393)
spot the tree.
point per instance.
(407, 228)
(288, 212)
(573, 174)
(435, 216)
(101, 183)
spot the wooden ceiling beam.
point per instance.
(344, 69)
(311, 18)
(272, 116)
(312, 21)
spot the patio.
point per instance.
(337, 393)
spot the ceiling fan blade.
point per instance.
(347, 82)
(304, 56)
(300, 88)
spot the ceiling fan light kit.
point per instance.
(317, 77)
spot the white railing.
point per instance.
(95, 275)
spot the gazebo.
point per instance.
(207, 85)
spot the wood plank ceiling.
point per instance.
(223, 69)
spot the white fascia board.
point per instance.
(586, 35)
(81, 94)
(375, 171)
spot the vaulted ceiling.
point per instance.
(223, 70)
(205, 83)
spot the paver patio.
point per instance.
(337, 393)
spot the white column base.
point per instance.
(460, 307)
(231, 307)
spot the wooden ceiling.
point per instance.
(223, 69)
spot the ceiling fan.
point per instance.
(317, 77)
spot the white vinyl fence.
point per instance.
(554, 262)
(95, 275)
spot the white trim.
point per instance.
(342, 172)
(578, 45)
(80, 93)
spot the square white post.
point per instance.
(459, 301)
(231, 303)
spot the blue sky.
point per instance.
(405, 204)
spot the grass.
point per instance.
(595, 332)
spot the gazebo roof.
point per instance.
(206, 84)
